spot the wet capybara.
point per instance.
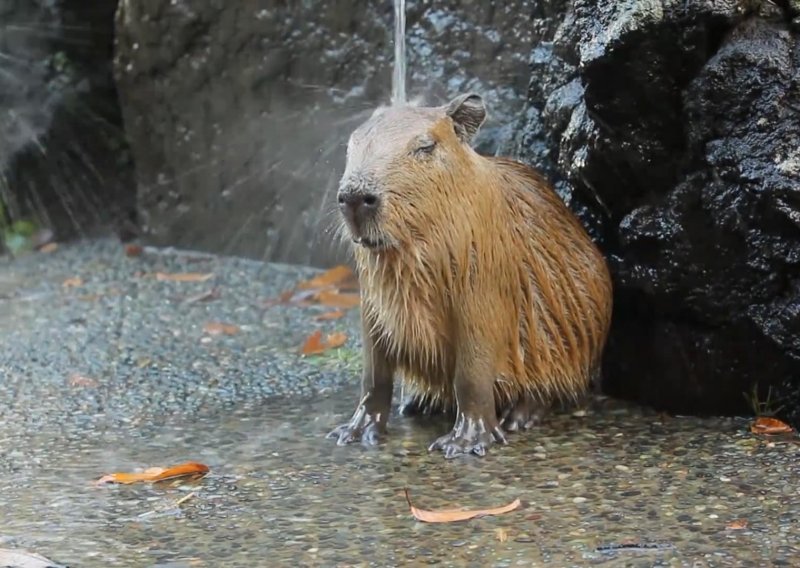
(478, 285)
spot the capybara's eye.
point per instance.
(425, 148)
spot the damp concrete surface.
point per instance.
(106, 368)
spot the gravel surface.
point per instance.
(117, 374)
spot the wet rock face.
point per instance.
(239, 112)
(673, 129)
(62, 150)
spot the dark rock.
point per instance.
(62, 150)
(238, 113)
(673, 130)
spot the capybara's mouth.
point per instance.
(371, 243)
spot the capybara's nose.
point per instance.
(358, 206)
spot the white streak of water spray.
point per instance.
(399, 76)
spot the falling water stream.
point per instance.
(399, 76)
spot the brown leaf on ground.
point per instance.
(336, 299)
(502, 534)
(73, 282)
(78, 380)
(737, 525)
(183, 276)
(207, 296)
(220, 328)
(155, 474)
(316, 344)
(133, 250)
(49, 247)
(767, 425)
(454, 515)
(333, 277)
(334, 315)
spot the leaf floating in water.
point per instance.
(737, 525)
(316, 344)
(454, 515)
(219, 328)
(23, 559)
(183, 277)
(767, 425)
(154, 474)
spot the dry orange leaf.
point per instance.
(49, 247)
(219, 328)
(335, 299)
(767, 425)
(737, 525)
(335, 275)
(453, 515)
(183, 277)
(315, 344)
(334, 315)
(154, 474)
(133, 250)
(73, 282)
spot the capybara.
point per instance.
(478, 285)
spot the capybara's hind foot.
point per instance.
(469, 436)
(522, 415)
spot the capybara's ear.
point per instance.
(468, 113)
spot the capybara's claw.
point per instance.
(368, 434)
(523, 415)
(467, 442)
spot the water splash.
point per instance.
(399, 76)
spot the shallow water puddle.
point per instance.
(616, 484)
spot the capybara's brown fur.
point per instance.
(479, 285)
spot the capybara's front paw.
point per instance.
(367, 434)
(469, 436)
(366, 427)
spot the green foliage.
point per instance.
(16, 236)
(764, 407)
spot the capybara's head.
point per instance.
(399, 164)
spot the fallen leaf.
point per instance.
(206, 296)
(332, 277)
(766, 425)
(219, 328)
(334, 315)
(25, 559)
(502, 534)
(336, 339)
(78, 380)
(737, 525)
(133, 250)
(453, 515)
(155, 474)
(315, 344)
(49, 247)
(73, 282)
(183, 277)
(335, 299)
